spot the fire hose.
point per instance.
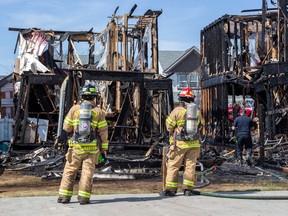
(235, 196)
(210, 194)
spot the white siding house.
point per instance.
(183, 68)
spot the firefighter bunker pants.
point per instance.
(175, 159)
(73, 163)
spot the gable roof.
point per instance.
(169, 59)
(6, 79)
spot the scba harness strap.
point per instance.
(185, 137)
(82, 148)
(84, 143)
(84, 139)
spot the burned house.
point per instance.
(122, 60)
(243, 65)
(246, 56)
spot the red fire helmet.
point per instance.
(187, 93)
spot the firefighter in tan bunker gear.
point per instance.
(182, 148)
(89, 137)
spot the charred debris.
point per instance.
(244, 65)
(122, 60)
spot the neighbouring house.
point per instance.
(6, 111)
(6, 96)
(183, 67)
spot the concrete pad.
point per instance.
(149, 204)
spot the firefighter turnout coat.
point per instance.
(180, 150)
(83, 154)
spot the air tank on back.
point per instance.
(191, 119)
(85, 119)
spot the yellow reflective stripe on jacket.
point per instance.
(183, 113)
(67, 193)
(102, 124)
(181, 122)
(94, 114)
(185, 144)
(68, 121)
(94, 123)
(76, 122)
(99, 124)
(82, 148)
(105, 145)
(170, 121)
(188, 183)
(172, 184)
(84, 194)
(71, 122)
(72, 143)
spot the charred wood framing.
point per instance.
(244, 57)
(134, 97)
(261, 132)
(148, 87)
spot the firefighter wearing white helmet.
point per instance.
(182, 124)
(89, 136)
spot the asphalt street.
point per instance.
(261, 204)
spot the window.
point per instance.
(182, 81)
(187, 80)
(193, 80)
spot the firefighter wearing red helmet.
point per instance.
(88, 131)
(186, 94)
(182, 124)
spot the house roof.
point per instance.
(5, 79)
(169, 59)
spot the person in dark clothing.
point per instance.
(243, 125)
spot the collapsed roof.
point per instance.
(122, 60)
(246, 55)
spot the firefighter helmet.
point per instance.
(186, 94)
(89, 89)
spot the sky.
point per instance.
(179, 25)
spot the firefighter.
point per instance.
(243, 125)
(184, 145)
(89, 137)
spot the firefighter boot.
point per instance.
(83, 201)
(188, 192)
(63, 199)
(167, 193)
(248, 159)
